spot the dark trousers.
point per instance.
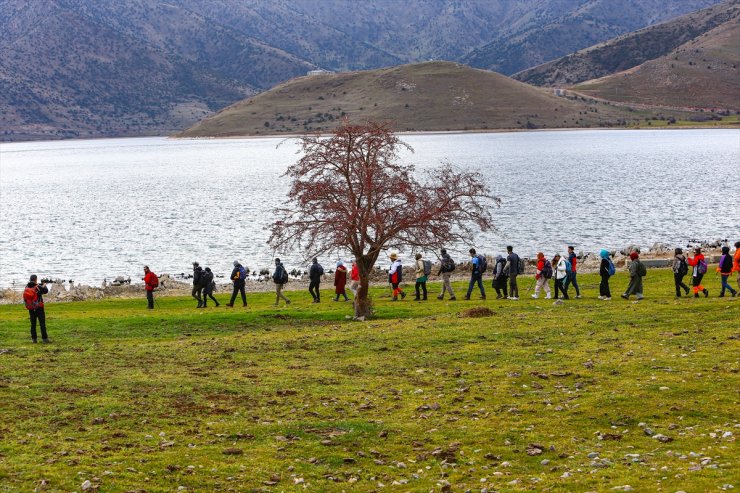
(197, 290)
(678, 281)
(560, 286)
(150, 299)
(238, 288)
(726, 285)
(313, 288)
(38, 314)
(514, 289)
(571, 279)
(476, 279)
(500, 285)
(208, 293)
(423, 286)
(604, 286)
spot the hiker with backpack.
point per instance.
(447, 267)
(151, 281)
(480, 264)
(680, 269)
(422, 271)
(513, 263)
(699, 265)
(736, 262)
(239, 278)
(340, 281)
(198, 283)
(571, 279)
(314, 278)
(560, 274)
(637, 272)
(725, 269)
(395, 276)
(500, 279)
(606, 270)
(209, 285)
(280, 278)
(542, 276)
(34, 300)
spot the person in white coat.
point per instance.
(561, 274)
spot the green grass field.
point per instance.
(535, 397)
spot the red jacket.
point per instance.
(695, 260)
(340, 279)
(540, 266)
(150, 279)
(355, 274)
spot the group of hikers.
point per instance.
(563, 269)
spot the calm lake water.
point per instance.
(88, 210)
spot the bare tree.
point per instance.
(350, 193)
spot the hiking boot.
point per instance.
(483, 298)
(578, 296)
(498, 296)
(534, 296)
(696, 295)
(416, 298)
(452, 298)
(687, 291)
(625, 296)
(706, 293)
(34, 341)
(467, 298)
(287, 302)
(229, 305)
(640, 298)
(403, 295)
(423, 298)
(218, 304)
(547, 297)
(45, 341)
(440, 297)
(395, 298)
(244, 305)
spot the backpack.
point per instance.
(641, 269)
(242, 273)
(683, 267)
(31, 298)
(155, 282)
(427, 267)
(482, 264)
(701, 267)
(611, 269)
(521, 265)
(448, 265)
(568, 268)
(547, 270)
(284, 276)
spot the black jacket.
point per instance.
(197, 276)
(316, 272)
(604, 268)
(279, 274)
(446, 259)
(235, 274)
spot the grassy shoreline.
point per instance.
(266, 399)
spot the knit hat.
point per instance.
(604, 253)
(236, 262)
(340, 263)
(634, 256)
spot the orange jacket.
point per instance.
(736, 261)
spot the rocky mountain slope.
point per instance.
(432, 96)
(629, 50)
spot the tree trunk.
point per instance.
(363, 304)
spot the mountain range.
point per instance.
(74, 68)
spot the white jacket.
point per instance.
(560, 272)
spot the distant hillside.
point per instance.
(544, 34)
(702, 73)
(429, 96)
(630, 50)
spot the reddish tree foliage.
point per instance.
(350, 193)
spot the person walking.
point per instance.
(637, 272)
(725, 270)
(699, 269)
(354, 277)
(280, 277)
(209, 284)
(314, 277)
(736, 262)
(395, 276)
(151, 281)
(447, 267)
(197, 283)
(33, 298)
(421, 278)
(561, 273)
(512, 264)
(500, 279)
(239, 278)
(340, 281)
(680, 269)
(476, 275)
(571, 278)
(606, 270)
(542, 276)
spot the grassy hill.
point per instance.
(702, 73)
(629, 50)
(535, 397)
(432, 96)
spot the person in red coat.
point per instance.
(340, 281)
(151, 281)
(700, 268)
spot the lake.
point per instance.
(94, 209)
